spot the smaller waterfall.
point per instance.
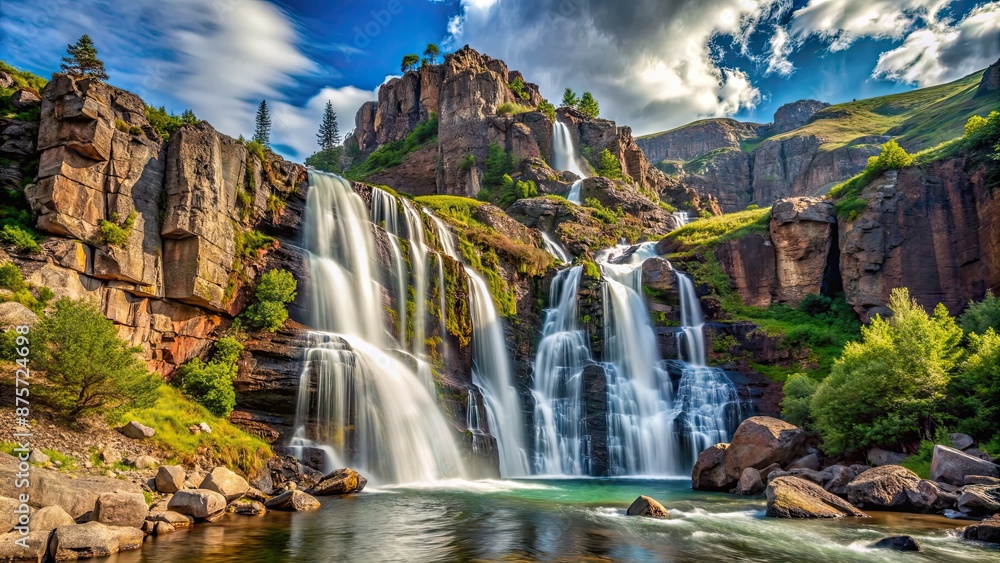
(553, 248)
(563, 151)
(681, 217)
(692, 322)
(574, 192)
(384, 212)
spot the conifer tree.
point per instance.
(588, 105)
(432, 52)
(262, 131)
(569, 98)
(329, 133)
(83, 61)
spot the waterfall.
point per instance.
(574, 192)
(564, 158)
(692, 322)
(553, 248)
(491, 371)
(373, 407)
(681, 217)
(384, 212)
(557, 382)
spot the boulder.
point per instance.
(169, 478)
(199, 503)
(137, 431)
(980, 500)
(808, 475)
(163, 528)
(121, 509)
(765, 474)
(50, 518)
(929, 497)
(93, 539)
(709, 473)
(836, 478)
(38, 545)
(761, 441)
(294, 501)
(47, 487)
(792, 497)
(175, 519)
(981, 480)
(246, 507)
(750, 482)
(979, 454)
(897, 543)
(145, 462)
(225, 482)
(8, 518)
(25, 98)
(961, 441)
(339, 482)
(645, 506)
(987, 531)
(952, 466)
(883, 487)
(38, 457)
(810, 461)
(13, 314)
(878, 456)
(109, 455)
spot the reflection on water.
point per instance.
(556, 520)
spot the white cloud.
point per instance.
(780, 46)
(650, 63)
(296, 126)
(945, 51)
(841, 22)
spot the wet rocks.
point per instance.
(760, 441)
(792, 497)
(340, 482)
(987, 531)
(198, 503)
(750, 482)
(883, 487)
(709, 473)
(646, 506)
(292, 501)
(949, 465)
(897, 543)
(980, 499)
(93, 539)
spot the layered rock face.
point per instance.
(182, 205)
(691, 141)
(801, 232)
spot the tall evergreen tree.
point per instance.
(329, 133)
(588, 106)
(83, 61)
(569, 98)
(409, 62)
(262, 131)
(431, 52)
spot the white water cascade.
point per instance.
(491, 370)
(692, 322)
(373, 407)
(564, 158)
(553, 248)
(563, 353)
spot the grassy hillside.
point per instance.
(919, 118)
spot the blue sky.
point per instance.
(652, 64)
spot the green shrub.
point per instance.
(121, 125)
(252, 242)
(974, 393)
(8, 346)
(512, 108)
(21, 238)
(499, 163)
(981, 316)
(609, 166)
(815, 304)
(588, 106)
(468, 161)
(114, 234)
(266, 315)
(257, 149)
(603, 213)
(88, 368)
(393, 153)
(211, 384)
(851, 204)
(274, 290)
(10, 277)
(517, 86)
(276, 205)
(327, 160)
(548, 109)
(885, 390)
(799, 389)
(920, 462)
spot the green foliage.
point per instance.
(591, 270)
(885, 390)
(275, 289)
(499, 163)
(276, 205)
(714, 230)
(609, 166)
(10, 277)
(920, 462)
(603, 213)
(512, 108)
(410, 62)
(22, 238)
(517, 87)
(327, 160)
(569, 98)
(588, 106)
(815, 304)
(211, 384)
(548, 109)
(975, 392)
(116, 232)
(82, 60)
(393, 153)
(982, 316)
(798, 390)
(467, 163)
(22, 80)
(166, 124)
(850, 203)
(328, 136)
(253, 242)
(432, 52)
(88, 368)
(262, 125)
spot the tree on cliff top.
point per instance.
(262, 131)
(409, 62)
(588, 106)
(329, 133)
(431, 52)
(569, 98)
(83, 61)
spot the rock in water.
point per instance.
(897, 543)
(951, 466)
(295, 501)
(709, 473)
(340, 482)
(646, 506)
(170, 479)
(791, 497)
(225, 482)
(750, 482)
(987, 531)
(199, 503)
(980, 499)
(761, 441)
(38, 544)
(93, 539)
(137, 431)
(883, 487)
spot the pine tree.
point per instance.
(569, 98)
(329, 133)
(262, 132)
(83, 61)
(432, 52)
(588, 106)
(409, 62)
(189, 118)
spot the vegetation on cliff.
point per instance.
(393, 153)
(275, 289)
(211, 383)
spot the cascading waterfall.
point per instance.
(681, 217)
(491, 370)
(374, 407)
(384, 212)
(564, 158)
(418, 262)
(563, 353)
(692, 322)
(553, 248)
